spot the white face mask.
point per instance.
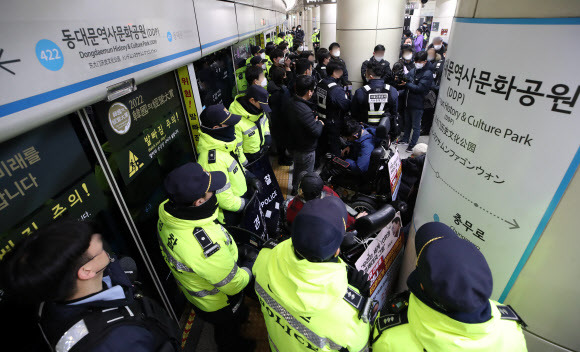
(408, 56)
(430, 58)
(419, 65)
(263, 66)
(264, 82)
(437, 46)
(281, 61)
(379, 58)
(263, 55)
(336, 53)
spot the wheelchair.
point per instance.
(371, 190)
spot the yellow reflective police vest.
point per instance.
(278, 40)
(315, 38)
(303, 303)
(288, 38)
(206, 271)
(216, 155)
(252, 129)
(428, 329)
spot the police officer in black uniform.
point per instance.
(332, 107)
(378, 58)
(376, 98)
(87, 301)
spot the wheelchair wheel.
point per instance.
(364, 205)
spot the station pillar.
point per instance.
(360, 25)
(502, 163)
(443, 17)
(308, 29)
(316, 16)
(327, 25)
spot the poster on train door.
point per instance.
(382, 260)
(395, 173)
(504, 143)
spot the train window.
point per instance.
(144, 136)
(47, 174)
(215, 78)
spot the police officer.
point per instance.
(332, 107)
(241, 83)
(87, 301)
(200, 252)
(279, 39)
(315, 39)
(323, 58)
(219, 151)
(334, 50)
(255, 74)
(379, 58)
(448, 307)
(375, 98)
(254, 128)
(289, 39)
(255, 50)
(307, 299)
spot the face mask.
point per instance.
(263, 55)
(419, 66)
(264, 82)
(408, 56)
(336, 53)
(379, 58)
(430, 58)
(437, 46)
(281, 61)
(263, 66)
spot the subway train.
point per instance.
(112, 102)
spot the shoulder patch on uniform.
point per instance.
(331, 85)
(208, 246)
(354, 298)
(508, 313)
(387, 87)
(390, 321)
(211, 156)
(367, 87)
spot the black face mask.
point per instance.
(249, 107)
(184, 212)
(224, 134)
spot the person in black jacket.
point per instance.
(279, 102)
(378, 58)
(439, 45)
(323, 58)
(334, 49)
(304, 128)
(299, 35)
(419, 82)
(87, 301)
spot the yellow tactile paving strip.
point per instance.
(283, 176)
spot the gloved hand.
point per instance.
(255, 184)
(360, 280)
(247, 256)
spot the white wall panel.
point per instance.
(246, 22)
(216, 21)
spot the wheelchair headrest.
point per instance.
(384, 127)
(370, 224)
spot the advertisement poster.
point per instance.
(504, 140)
(395, 173)
(382, 259)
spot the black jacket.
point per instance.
(419, 84)
(344, 79)
(320, 72)
(386, 66)
(303, 129)
(279, 100)
(440, 51)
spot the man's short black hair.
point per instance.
(276, 54)
(283, 46)
(281, 35)
(253, 73)
(306, 54)
(421, 56)
(333, 45)
(351, 127)
(375, 69)
(322, 55)
(44, 266)
(302, 65)
(304, 84)
(269, 48)
(379, 47)
(419, 30)
(277, 74)
(406, 47)
(333, 66)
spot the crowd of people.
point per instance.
(310, 298)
